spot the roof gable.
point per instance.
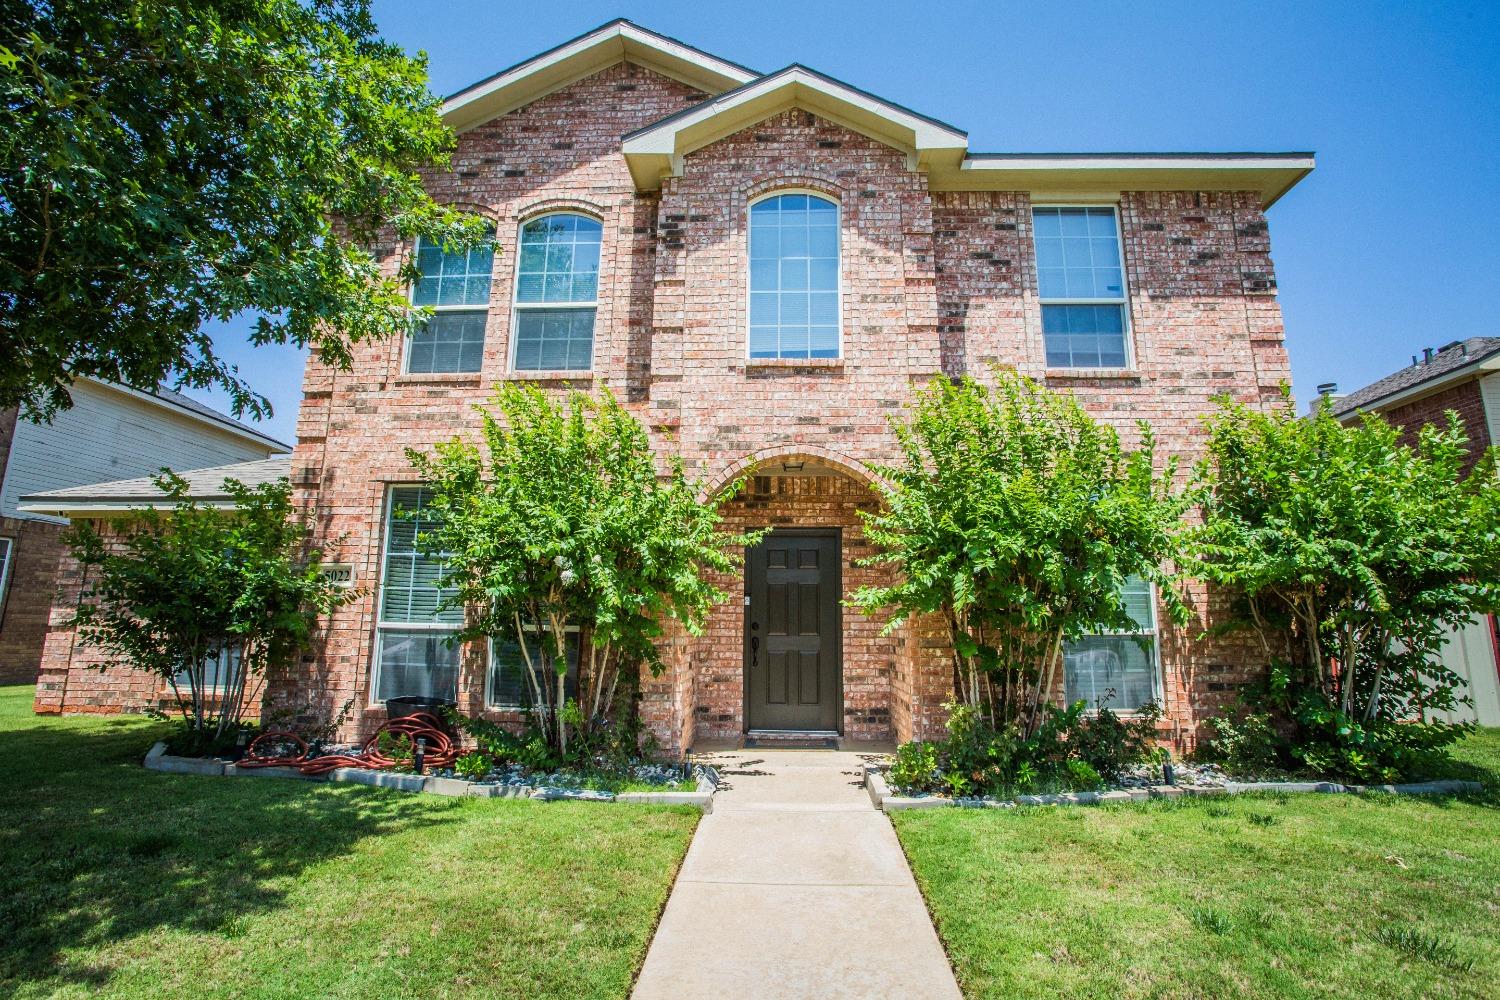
(657, 150)
(617, 41)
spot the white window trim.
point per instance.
(517, 307)
(382, 627)
(1158, 681)
(411, 294)
(838, 207)
(1123, 301)
(9, 545)
(489, 671)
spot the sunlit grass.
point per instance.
(119, 882)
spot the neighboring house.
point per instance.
(1464, 377)
(69, 680)
(762, 266)
(111, 432)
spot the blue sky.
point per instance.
(1388, 247)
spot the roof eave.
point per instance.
(617, 41)
(1106, 175)
(656, 151)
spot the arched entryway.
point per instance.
(785, 653)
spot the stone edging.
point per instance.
(887, 801)
(157, 759)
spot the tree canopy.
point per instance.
(1017, 517)
(164, 163)
(1353, 550)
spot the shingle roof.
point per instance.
(1450, 359)
(203, 484)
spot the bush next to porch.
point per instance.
(567, 534)
(1352, 553)
(1016, 517)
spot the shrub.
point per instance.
(1246, 744)
(915, 767)
(473, 766)
(564, 522)
(1070, 750)
(206, 599)
(1016, 516)
(1353, 554)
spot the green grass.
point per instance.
(119, 882)
(1267, 896)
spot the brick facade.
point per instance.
(35, 547)
(1466, 399)
(933, 283)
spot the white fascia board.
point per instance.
(657, 150)
(74, 509)
(585, 56)
(1104, 175)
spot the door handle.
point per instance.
(754, 649)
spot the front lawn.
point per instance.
(119, 882)
(1289, 896)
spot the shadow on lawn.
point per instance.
(95, 849)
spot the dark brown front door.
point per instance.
(792, 632)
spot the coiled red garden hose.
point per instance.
(440, 752)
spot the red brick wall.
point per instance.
(27, 597)
(1464, 398)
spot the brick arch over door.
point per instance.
(851, 467)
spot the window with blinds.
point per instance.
(557, 293)
(1117, 670)
(457, 287)
(508, 686)
(413, 654)
(216, 672)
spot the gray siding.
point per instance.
(110, 435)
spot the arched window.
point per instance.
(557, 293)
(457, 287)
(794, 277)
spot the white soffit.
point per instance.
(1104, 175)
(618, 41)
(657, 150)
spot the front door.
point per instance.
(792, 632)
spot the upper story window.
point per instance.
(457, 287)
(794, 277)
(1085, 315)
(412, 652)
(557, 293)
(1117, 670)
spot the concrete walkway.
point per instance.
(794, 886)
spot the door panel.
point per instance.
(792, 665)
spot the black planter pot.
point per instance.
(400, 708)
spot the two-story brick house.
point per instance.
(762, 266)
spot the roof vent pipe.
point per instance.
(1327, 388)
(1426, 355)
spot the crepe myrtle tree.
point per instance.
(164, 163)
(563, 524)
(206, 598)
(1016, 517)
(1355, 553)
